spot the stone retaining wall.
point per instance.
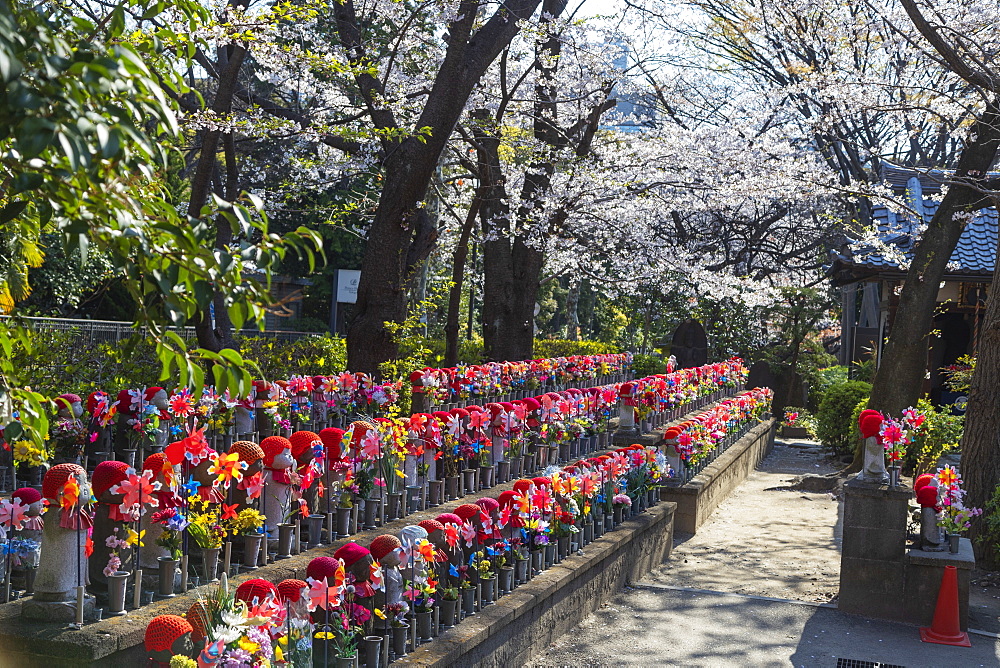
(517, 626)
(698, 498)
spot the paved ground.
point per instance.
(765, 539)
(705, 608)
(646, 626)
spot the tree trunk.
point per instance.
(981, 440)
(572, 315)
(402, 234)
(511, 268)
(455, 293)
(900, 375)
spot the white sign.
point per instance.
(347, 285)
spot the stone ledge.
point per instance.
(510, 631)
(698, 498)
(118, 641)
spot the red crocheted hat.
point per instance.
(27, 495)
(488, 504)
(468, 510)
(151, 392)
(350, 553)
(522, 485)
(541, 482)
(155, 462)
(162, 631)
(255, 588)
(272, 446)
(249, 452)
(383, 545)
(291, 590)
(332, 438)
(57, 476)
(107, 475)
(199, 616)
(927, 496)
(506, 498)
(302, 441)
(322, 567)
(870, 425)
(67, 400)
(448, 518)
(93, 398)
(430, 526)
(922, 481)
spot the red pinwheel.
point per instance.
(138, 491)
(12, 513)
(229, 511)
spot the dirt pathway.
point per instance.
(765, 539)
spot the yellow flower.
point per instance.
(278, 654)
(134, 538)
(248, 645)
(181, 661)
(324, 635)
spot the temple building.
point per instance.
(871, 278)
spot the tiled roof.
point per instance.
(975, 253)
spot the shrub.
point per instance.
(820, 380)
(648, 365)
(545, 348)
(323, 354)
(834, 426)
(939, 434)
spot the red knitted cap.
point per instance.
(448, 518)
(467, 510)
(383, 545)
(430, 526)
(302, 441)
(155, 462)
(27, 495)
(249, 452)
(522, 485)
(323, 567)
(488, 504)
(332, 438)
(199, 616)
(272, 446)
(107, 475)
(350, 553)
(506, 498)
(162, 631)
(255, 588)
(922, 481)
(291, 590)
(57, 476)
(541, 482)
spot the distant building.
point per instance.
(870, 282)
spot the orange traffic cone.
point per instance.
(946, 629)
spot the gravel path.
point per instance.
(766, 539)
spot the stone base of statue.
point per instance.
(63, 612)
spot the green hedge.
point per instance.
(834, 424)
(71, 364)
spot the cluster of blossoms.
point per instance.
(494, 378)
(695, 439)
